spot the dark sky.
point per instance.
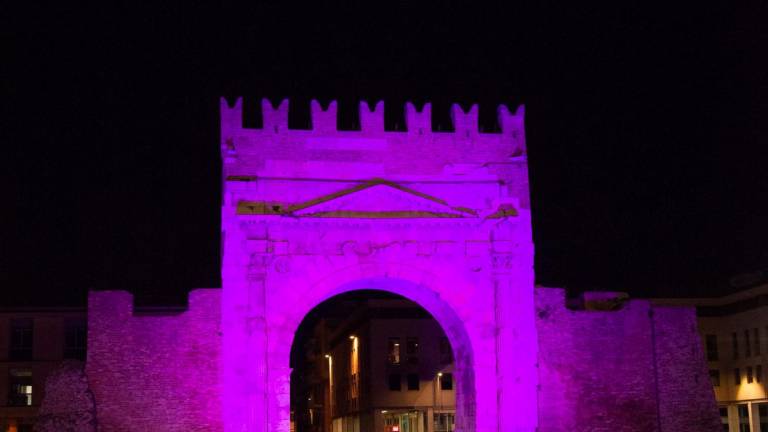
(646, 126)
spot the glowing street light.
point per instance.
(330, 381)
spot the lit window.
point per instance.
(20, 383)
(21, 339)
(750, 377)
(354, 365)
(393, 348)
(354, 362)
(724, 418)
(711, 342)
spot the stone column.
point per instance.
(255, 361)
(484, 414)
(516, 338)
(279, 339)
(244, 332)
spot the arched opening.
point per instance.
(376, 359)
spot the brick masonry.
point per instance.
(442, 218)
(155, 373)
(686, 397)
(640, 368)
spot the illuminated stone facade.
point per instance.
(620, 365)
(441, 218)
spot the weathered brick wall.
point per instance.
(417, 150)
(155, 373)
(639, 368)
(596, 368)
(686, 398)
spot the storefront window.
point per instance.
(743, 418)
(445, 422)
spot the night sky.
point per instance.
(647, 130)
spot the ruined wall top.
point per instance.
(246, 150)
(324, 119)
(419, 152)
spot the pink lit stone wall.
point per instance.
(440, 218)
(686, 396)
(639, 368)
(155, 373)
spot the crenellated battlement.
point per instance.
(417, 121)
(372, 119)
(275, 119)
(325, 151)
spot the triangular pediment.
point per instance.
(381, 199)
(374, 199)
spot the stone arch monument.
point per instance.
(441, 218)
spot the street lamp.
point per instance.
(440, 392)
(330, 383)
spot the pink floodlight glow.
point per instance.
(442, 219)
(439, 218)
